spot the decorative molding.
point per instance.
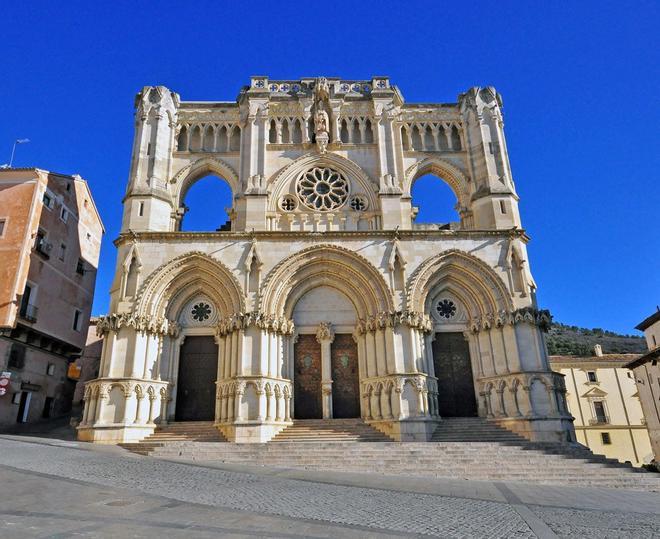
(142, 323)
(393, 319)
(268, 322)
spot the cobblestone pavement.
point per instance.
(207, 500)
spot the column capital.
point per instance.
(325, 333)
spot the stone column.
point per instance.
(138, 409)
(325, 336)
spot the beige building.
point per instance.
(323, 298)
(647, 374)
(602, 396)
(50, 238)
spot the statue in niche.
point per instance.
(321, 116)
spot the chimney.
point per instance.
(598, 350)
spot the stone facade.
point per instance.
(647, 375)
(604, 399)
(50, 239)
(323, 243)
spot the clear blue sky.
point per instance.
(579, 82)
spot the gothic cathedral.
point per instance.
(322, 297)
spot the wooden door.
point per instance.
(451, 359)
(198, 371)
(345, 378)
(307, 377)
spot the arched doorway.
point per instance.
(198, 367)
(326, 371)
(452, 362)
(197, 370)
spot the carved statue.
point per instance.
(321, 116)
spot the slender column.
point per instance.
(262, 400)
(371, 354)
(138, 410)
(238, 414)
(381, 367)
(98, 413)
(325, 336)
(287, 408)
(164, 398)
(91, 413)
(230, 407)
(385, 403)
(375, 405)
(127, 401)
(278, 406)
(366, 406)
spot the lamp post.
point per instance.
(13, 150)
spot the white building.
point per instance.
(323, 299)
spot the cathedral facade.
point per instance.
(322, 297)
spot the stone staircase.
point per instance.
(330, 430)
(473, 429)
(462, 449)
(174, 433)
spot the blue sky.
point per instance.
(579, 82)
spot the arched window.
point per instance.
(369, 133)
(417, 139)
(204, 206)
(182, 141)
(209, 136)
(196, 139)
(235, 141)
(434, 200)
(344, 132)
(222, 143)
(296, 137)
(285, 132)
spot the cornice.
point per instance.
(412, 235)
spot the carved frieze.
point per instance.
(141, 323)
(269, 322)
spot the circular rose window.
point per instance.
(322, 189)
(446, 308)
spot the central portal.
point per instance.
(326, 381)
(198, 371)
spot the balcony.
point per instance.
(28, 312)
(602, 420)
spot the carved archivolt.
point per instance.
(478, 286)
(189, 273)
(328, 265)
(451, 174)
(527, 315)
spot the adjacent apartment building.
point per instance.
(603, 397)
(647, 374)
(50, 239)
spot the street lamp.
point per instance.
(13, 151)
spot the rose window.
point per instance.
(322, 189)
(201, 311)
(446, 308)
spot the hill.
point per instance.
(576, 341)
